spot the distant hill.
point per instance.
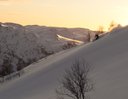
(22, 45)
(108, 58)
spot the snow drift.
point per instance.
(108, 56)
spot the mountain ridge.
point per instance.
(22, 45)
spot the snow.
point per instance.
(17, 40)
(108, 56)
(30, 43)
(48, 35)
(69, 39)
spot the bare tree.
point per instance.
(101, 30)
(113, 25)
(75, 83)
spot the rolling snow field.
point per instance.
(108, 57)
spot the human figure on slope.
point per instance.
(96, 37)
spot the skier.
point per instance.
(96, 36)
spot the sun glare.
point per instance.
(64, 13)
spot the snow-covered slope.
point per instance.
(17, 47)
(48, 35)
(108, 56)
(22, 45)
(73, 33)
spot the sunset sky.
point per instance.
(65, 13)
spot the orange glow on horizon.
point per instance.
(65, 13)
